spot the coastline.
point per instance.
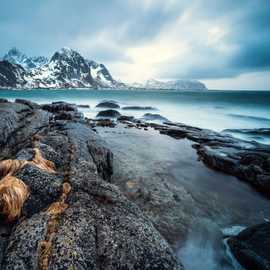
(157, 191)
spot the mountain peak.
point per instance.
(15, 56)
(64, 54)
(66, 50)
(14, 51)
(66, 68)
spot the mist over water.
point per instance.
(217, 110)
(206, 248)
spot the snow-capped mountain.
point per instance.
(11, 75)
(14, 56)
(66, 69)
(175, 85)
(69, 69)
(101, 74)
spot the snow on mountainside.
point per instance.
(14, 56)
(69, 69)
(66, 69)
(100, 73)
(175, 85)
(11, 75)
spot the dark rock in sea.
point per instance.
(125, 118)
(104, 123)
(139, 108)
(59, 106)
(256, 131)
(154, 117)
(29, 103)
(108, 104)
(68, 115)
(252, 247)
(109, 114)
(3, 100)
(85, 106)
(74, 217)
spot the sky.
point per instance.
(224, 43)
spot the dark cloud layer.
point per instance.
(41, 27)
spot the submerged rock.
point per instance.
(85, 106)
(154, 117)
(108, 104)
(125, 118)
(109, 114)
(139, 108)
(252, 247)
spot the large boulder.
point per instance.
(109, 114)
(108, 104)
(60, 106)
(252, 247)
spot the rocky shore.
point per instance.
(246, 160)
(71, 216)
(73, 212)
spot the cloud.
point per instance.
(199, 39)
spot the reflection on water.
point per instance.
(219, 201)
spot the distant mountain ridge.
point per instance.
(15, 56)
(175, 85)
(69, 69)
(66, 69)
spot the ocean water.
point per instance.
(217, 110)
(230, 204)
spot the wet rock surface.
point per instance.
(139, 108)
(247, 160)
(165, 179)
(108, 104)
(109, 114)
(154, 117)
(252, 247)
(91, 226)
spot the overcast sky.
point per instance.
(225, 43)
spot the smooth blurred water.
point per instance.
(217, 110)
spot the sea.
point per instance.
(228, 204)
(228, 111)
